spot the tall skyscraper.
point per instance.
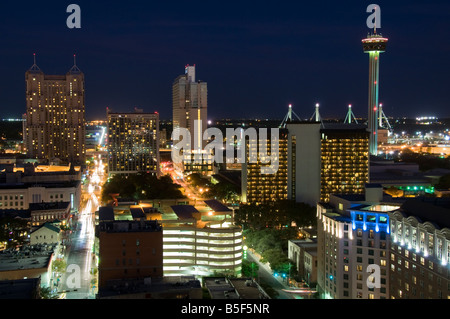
(55, 115)
(374, 44)
(133, 143)
(190, 104)
(326, 159)
(258, 188)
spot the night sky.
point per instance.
(257, 57)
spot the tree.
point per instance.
(196, 180)
(277, 214)
(46, 293)
(278, 260)
(249, 269)
(59, 265)
(224, 191)
(141, 186)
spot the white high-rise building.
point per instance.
(189, 105)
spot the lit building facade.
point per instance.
(420, 250)
(21, 187)
(326, 159)
(190, 104)
(201, 243)
(54, 124)
(189, 111)
(258, 188)
(353, 234)
(133, 143)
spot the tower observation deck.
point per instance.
(374, 44)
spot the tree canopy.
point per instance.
(141, 186)
(425, 161)
(278, 214)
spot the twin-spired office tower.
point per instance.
(55, 115)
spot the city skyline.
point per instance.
(257, 60)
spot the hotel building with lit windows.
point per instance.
(54, 125)
(326, 158)
(420, 249)
(133, 142)
(353, 233)
(258, 188)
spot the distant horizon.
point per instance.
(255, 118)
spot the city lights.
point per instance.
(177, 158)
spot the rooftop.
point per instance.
(49, 206)
(19, 289)
(148, 285)
(235, 288)
(217, 206)
(29, 257)
(121, 226)
(184, 211)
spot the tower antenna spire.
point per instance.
(316, 115)
(74, 59)
(350, 116)
(288, 117)
(34, 67)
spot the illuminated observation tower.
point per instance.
(374, 44)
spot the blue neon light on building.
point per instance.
(370, 220)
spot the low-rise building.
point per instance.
(46, 234)
(42, 213)
(29, 262)
(20, 289)
(129, 249)
(20, 187)
(304, 255)
(180, 287)
(234, 288)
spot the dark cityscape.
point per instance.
(237, 157)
